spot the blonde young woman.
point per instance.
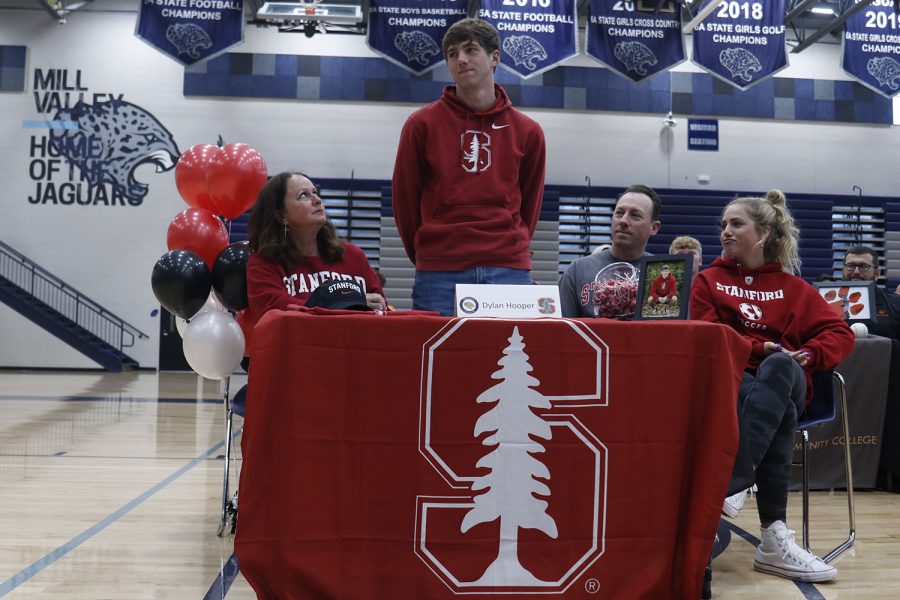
(754, 288)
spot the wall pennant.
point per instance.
(631, 43)
(535, 35)
(870, 49)
(409, 33)
(742, 41)
(191, 30)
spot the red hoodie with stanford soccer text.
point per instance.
(768, 305)
(467, 186)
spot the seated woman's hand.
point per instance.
(376, 302)
(801, 356)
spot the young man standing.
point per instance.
(635, 219)
(469, 177)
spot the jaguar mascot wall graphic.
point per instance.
(113, 139)
(885, 69)
(416, 46)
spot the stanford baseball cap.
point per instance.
(338, 294)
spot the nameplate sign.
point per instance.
(510, 301)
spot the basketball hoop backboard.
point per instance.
(340, 14)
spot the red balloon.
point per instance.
(199, 231)
(190, 176)
(234, 177)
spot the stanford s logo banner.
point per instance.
(524, 506)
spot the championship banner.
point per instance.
(191, 30)
(409, 33)
(742, 42)
(871, 47)
(428, 458)
(535, 35)
(631, 43)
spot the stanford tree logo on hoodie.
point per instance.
(476, 147)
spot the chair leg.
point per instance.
(848, 468)
(841, 388)
(804, 466)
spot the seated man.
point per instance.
(861, 264)
(635, 219)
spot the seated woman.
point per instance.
(295, 248)
(754, 289)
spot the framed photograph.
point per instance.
(664, 287)
(852, 300)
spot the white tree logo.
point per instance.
(513, 480)
(476, 151)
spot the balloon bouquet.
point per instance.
(213, 181)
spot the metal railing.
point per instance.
(66, 300)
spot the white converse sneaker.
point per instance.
(733, 505)
(778, 554)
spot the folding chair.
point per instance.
(229, 503)
(824, 407)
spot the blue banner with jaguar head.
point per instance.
(742, 41)
(535, 35)
(871, 47)
(409, 33)
(191, 30)
(634, 44)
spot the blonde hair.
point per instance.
(782, 243)
(685, 242)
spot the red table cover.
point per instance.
(426, 457)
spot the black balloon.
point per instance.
(229, 276)
(181, 282)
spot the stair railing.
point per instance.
(21, 271)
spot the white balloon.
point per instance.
(860, 330)
(181, 325)
(212, 304)
(213, 344)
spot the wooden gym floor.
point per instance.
(110, 488)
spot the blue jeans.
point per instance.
(436, 290)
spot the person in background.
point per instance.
(754, 289)
(685, 244)
(469, 177)
(861, 264)
(294, 248)
(635, 219)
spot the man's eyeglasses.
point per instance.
(863, 269)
